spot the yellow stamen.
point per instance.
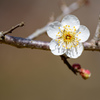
(74, 27)
(59, 40)
(70, 29)
(61, 30)
(68, 25)
(58, 32)
(63, 46)
(73, 45)
(74, 32)
(64, 26)
(77, 41)
(59, 27)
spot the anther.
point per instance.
(63, 46)
(74, 32)
(74, 46)
(70, 29)
(58, 32)
(61, 30)
(68, 25)
(74, 27)
(64, 26)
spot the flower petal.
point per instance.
(53, 29)
(85, 33)
(75, 52)
(57, 49)
(71, 20)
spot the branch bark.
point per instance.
(28, 43)
(24, 43)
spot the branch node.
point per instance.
(13, 28)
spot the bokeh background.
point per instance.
(29, 74)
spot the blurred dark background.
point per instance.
(27, 74)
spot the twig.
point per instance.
(67, 10)
(73, 7)
(37, 33)
(97, 33)
(68, 64)
(41, 30)
(2, 34)
(13, 28)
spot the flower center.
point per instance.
(68, 36)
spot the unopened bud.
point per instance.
(85, 73)
(76, 66)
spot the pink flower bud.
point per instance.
(85, 73)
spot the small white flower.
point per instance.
(67, 36)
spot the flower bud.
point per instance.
(85, 73)
(76, 66)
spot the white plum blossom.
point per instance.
(67, 36)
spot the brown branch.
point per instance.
(68, 64)
(13, 28)
(27, 43)
(24, 43)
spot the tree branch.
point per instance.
(13, 28)
(68, 64)
(93, 45)
(24, 43)
(27, 43)
(65, 11)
